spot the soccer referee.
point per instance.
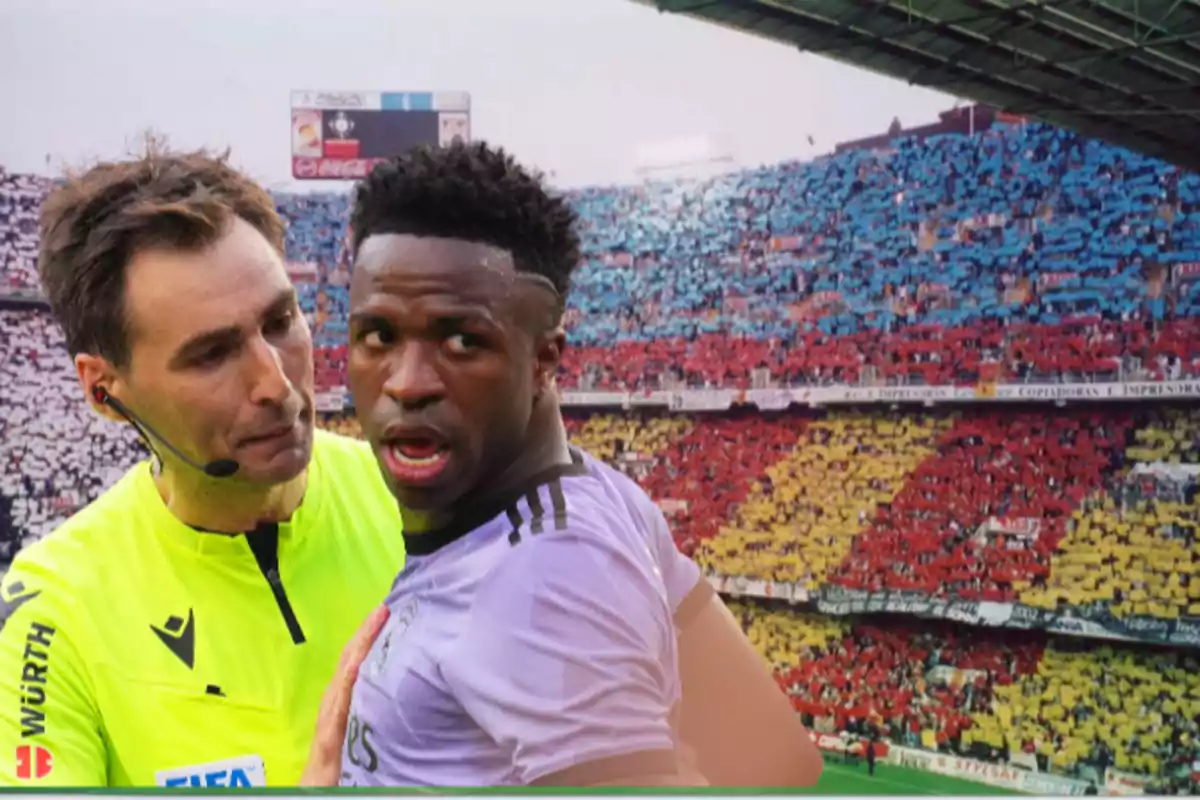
(180, 631)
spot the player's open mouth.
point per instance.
(416, 458)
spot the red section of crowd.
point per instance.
(882, 675)
(1017, 466)
(329, 366)
(713, 467)
(1086, 348)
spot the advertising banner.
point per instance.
(778, 398)
(1184, 632)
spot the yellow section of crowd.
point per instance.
(1138, 554)
(1126, 699)
(609, 437)
(782, 636)
(1175, 441)
(799, 524)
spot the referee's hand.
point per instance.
(324, 766)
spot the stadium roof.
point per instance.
(1127, 71)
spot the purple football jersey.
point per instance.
(533, 637)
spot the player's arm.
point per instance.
(743, 729)
(567, 663)
(740, 728)
(49, 726)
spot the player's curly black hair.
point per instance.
(475, 193)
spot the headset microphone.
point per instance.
(220, 468)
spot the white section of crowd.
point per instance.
(55, 453)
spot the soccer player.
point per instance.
(540, 628)
(181, 629)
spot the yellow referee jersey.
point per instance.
(137, 651)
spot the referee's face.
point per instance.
(221, 358)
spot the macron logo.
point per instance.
(10, 606)
(180, 638)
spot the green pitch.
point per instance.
(841, 778)
(837, 779)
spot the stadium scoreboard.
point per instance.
(342, 135)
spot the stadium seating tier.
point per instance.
(1021, 254)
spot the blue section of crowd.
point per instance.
(1023, 223)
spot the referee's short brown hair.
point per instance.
(98, 220)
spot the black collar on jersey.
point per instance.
(263, 541)
(423, 544)
(262, 529)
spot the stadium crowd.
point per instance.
(1075, 707)
(20, 203)
(1023, 253)
(55, 455)
(1092, 510)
